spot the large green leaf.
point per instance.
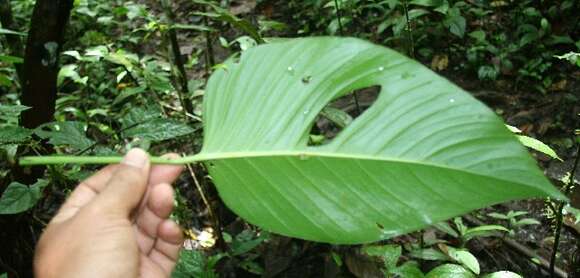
(147, 123)
(423, 152)
(69, 133)
(159, 130)
(14, 135)
(19, 197)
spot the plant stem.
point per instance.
(58, 159)
(411, 49)
(213, 217)
(181, 74)
(341, 30)
(209, 55)
(559, 212)
(338, 17)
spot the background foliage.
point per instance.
(134, 73)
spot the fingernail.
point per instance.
(136, 158)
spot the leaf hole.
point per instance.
(339, 113)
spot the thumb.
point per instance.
(126, 187)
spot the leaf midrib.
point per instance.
(305, 155)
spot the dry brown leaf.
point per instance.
(559, 86)
(362, 266)
(242, 7)
(440, 62)
(570, 221)
(499, 3)
(268, 10)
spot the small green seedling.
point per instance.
(513, 223)
(465, 234)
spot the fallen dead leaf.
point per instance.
(544, 126)
(559, 86)
(268, 10)
(499, 3)
(570, 221)
(362, 266)
(440, 62)
(242, 6)
(196, 239)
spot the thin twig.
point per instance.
(338, 17)
(209, 56)
(178, 61)
(200, 190)
(341, 31)
(186, 113)
(210, 61)
(559, 212)
(356, 103)
(411, 49)
(213, 217)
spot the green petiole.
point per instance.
(62, 159)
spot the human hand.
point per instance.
(115, 224)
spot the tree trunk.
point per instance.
(38, 82)
(45, 40)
